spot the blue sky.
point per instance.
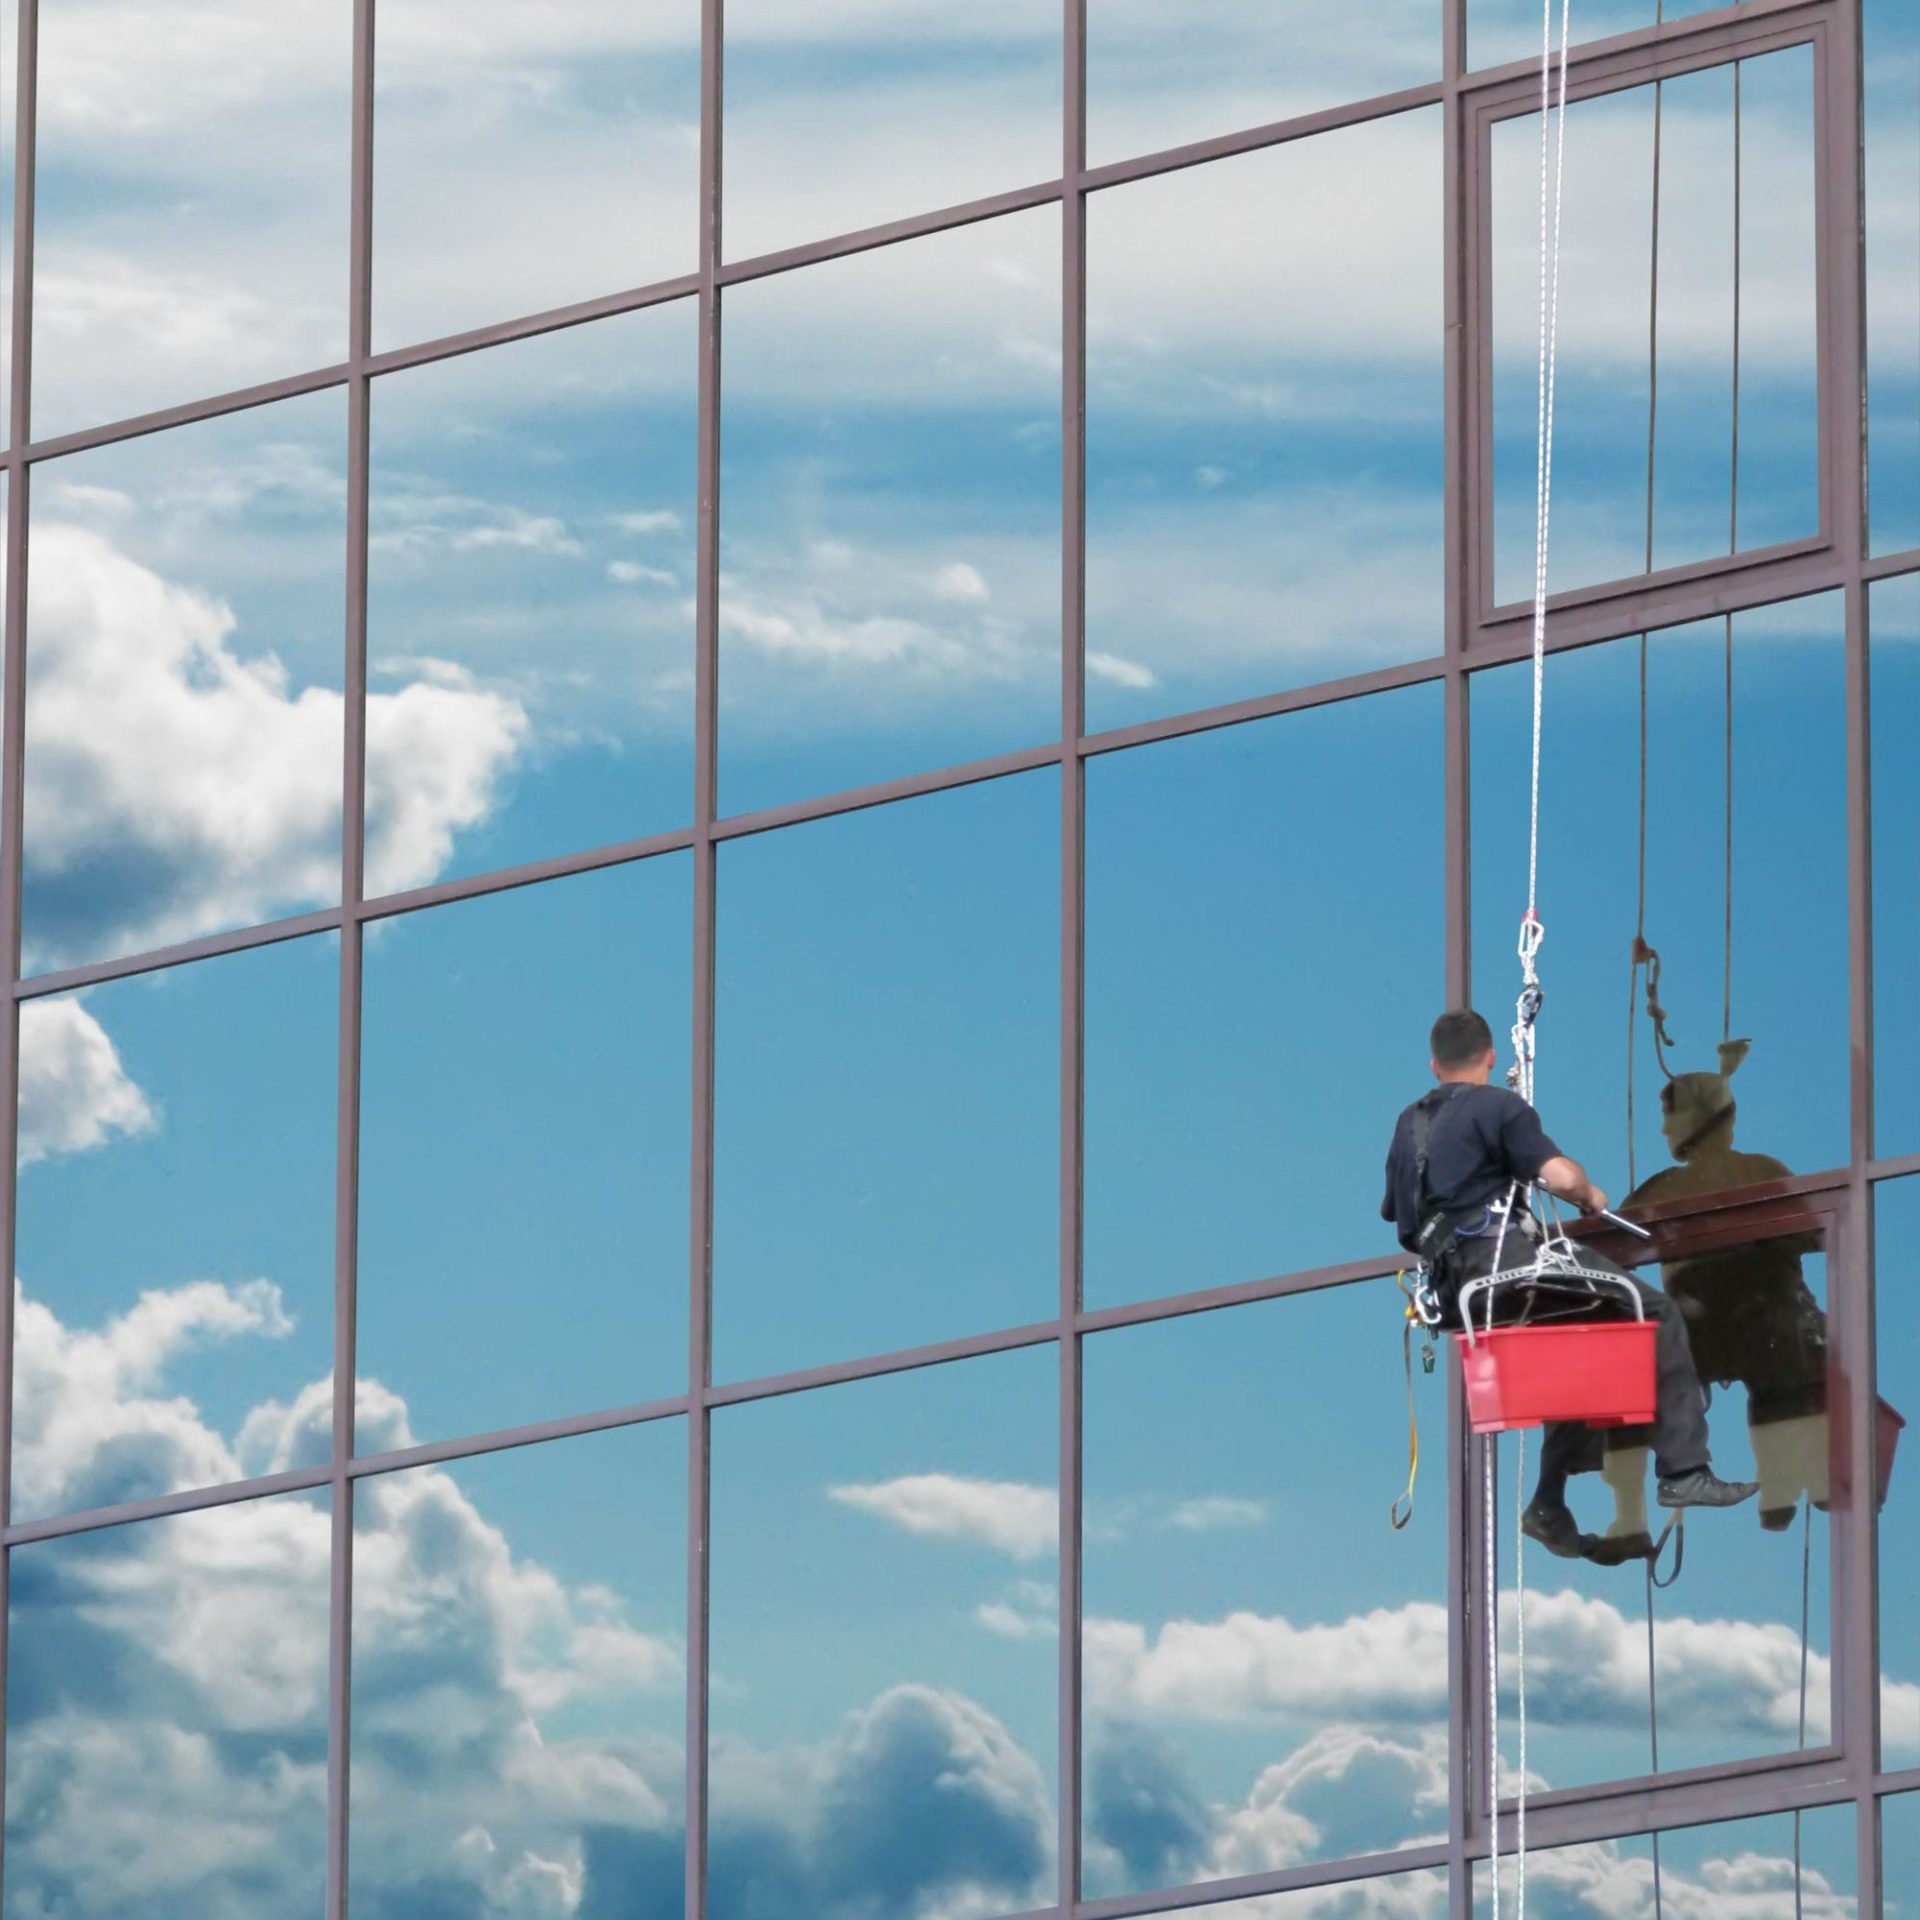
(1263, 953)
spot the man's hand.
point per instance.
(1568, 1179)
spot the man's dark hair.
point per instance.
(1460, 1037)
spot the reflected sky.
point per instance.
(1900, 1856)
(1789, 953)
(1161, 77)
(519, 1682)
(1893, 611)
(529, 157)
(1264, 421)
(886, 1130)
(175, 1231)
(1503, 30)
(166, 1687)
(184, 663)
(523, 1155)
(530, 568)
(1890, 45)
(843, 114)
(890, 533)
(903, 1691)
(1396, 1896)
(1897, 1334)
(171, 261)
(1264, 1658)
(1239, 1075)
(1743, 1867)
(1602, 375)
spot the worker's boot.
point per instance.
(1551, 1522)
(1702, 1487)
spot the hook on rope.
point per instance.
(1646, 954)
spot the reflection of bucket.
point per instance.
(1598, 1374)
(1886, 1437)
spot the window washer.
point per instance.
(1455, 1155)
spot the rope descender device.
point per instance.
(1526, 1010)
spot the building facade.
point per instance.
(743, 745)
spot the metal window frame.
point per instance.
(1475, 634)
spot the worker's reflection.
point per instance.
(1751, 1318)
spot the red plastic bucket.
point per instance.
(1599, 1373)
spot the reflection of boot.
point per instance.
(1791, 1456)
(1624, 1469)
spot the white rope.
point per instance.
(1553, 159)
(1487, 1449)
(1520, 1669)
(1549, 332)
(1532, 933)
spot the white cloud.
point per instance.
(1586, 1666)
(530, 532)
(630, 573)
(958, 581)
(650, 520)
(1121, 672)
(1010, 1516)
(74, 1092)
(91, 1424)
(1216, 1512)
(176, 784)
(1029, 1610)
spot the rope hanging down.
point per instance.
(1532, 933)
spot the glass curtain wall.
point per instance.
(732, 796)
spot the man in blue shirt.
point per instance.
(1456, 1154)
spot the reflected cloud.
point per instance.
(74, 1092)
(1009, 1517)
(176, 783)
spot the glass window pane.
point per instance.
(1900, 1856)
(887, 1078)
(1779, 1863)
(1163, 77)
(884, 1646)
(1894, 613)
(529, 157)
(1503, 30)
(167, 1717)
(519, 1682)
(1264, 403)
(9, 78)
(1736, 142)
(184, 663)
(1257, 994)
(1890, 36)
(191, 202)
(1779, 987)
(531, 558)
(1393, 1896)
(1264, 1661)
(844, 117)
(523, 1156)
(1754, 1588)
(175, 1229)
(890, 539)
(1897, 1343)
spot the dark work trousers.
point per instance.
(1678, 1435)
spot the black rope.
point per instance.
(1733, 546)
